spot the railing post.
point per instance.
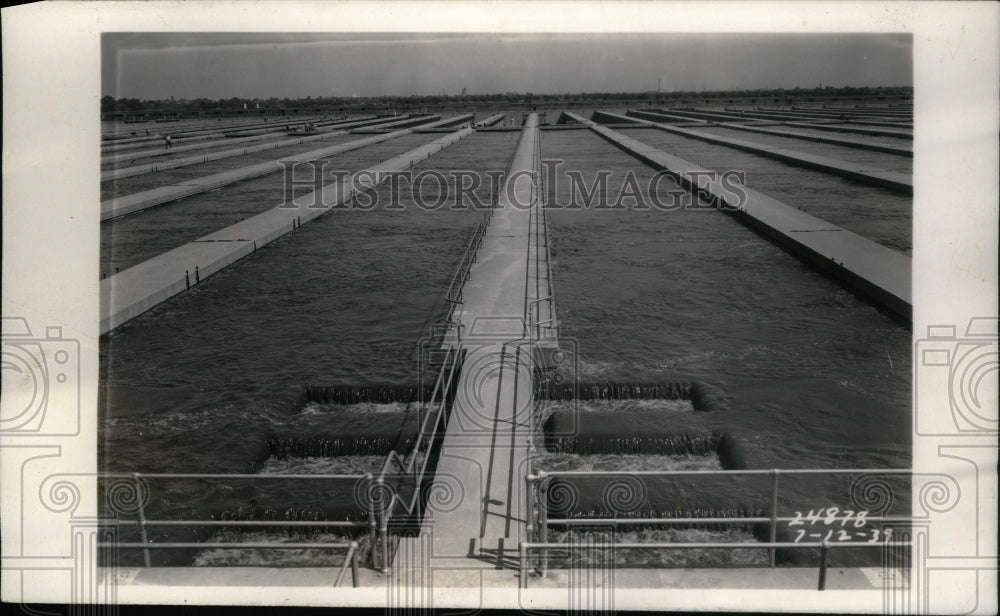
(524, 565)
(142, 518)
(774, 515)
(543, 507)
(372, 521)
(349, 558)
(355, 580)
(383, 523)
(530, 481)
(824, 551)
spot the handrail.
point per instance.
(737, 520)
(825, 548)
(436, 407)
(277, 523)
(136, 475)
(753, 471)
(538, 230)
(423, 421)
(537, 485)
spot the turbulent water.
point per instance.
(807, 375)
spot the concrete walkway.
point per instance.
(484, 454)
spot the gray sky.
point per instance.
(192, 65)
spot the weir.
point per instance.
(502, 313)
(879, 274)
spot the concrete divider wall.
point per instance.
(898, 182)
(876, 132)
(224, 138)
(120, 206)
(133, 156)
(132, 292)
(135, 202)
(203, 124)
(197, 159)
(155, 140)
(878, 274)
(490, 121)
(117, 174)
(605, 117)
(874, 147)
(756, 126)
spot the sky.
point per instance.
(261, 65)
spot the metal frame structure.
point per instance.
(825, 548)
(538, 516)
(146, 545)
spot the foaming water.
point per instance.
(338, 465)
(316, 408)
(278, 557)
(656, 558)
(661, 405)
(549, 461)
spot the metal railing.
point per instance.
(430, 421)
(453, 294)
(825, 548)
(538, 236)
(143, 523)
(539, 521)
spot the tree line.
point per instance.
(112, 104)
